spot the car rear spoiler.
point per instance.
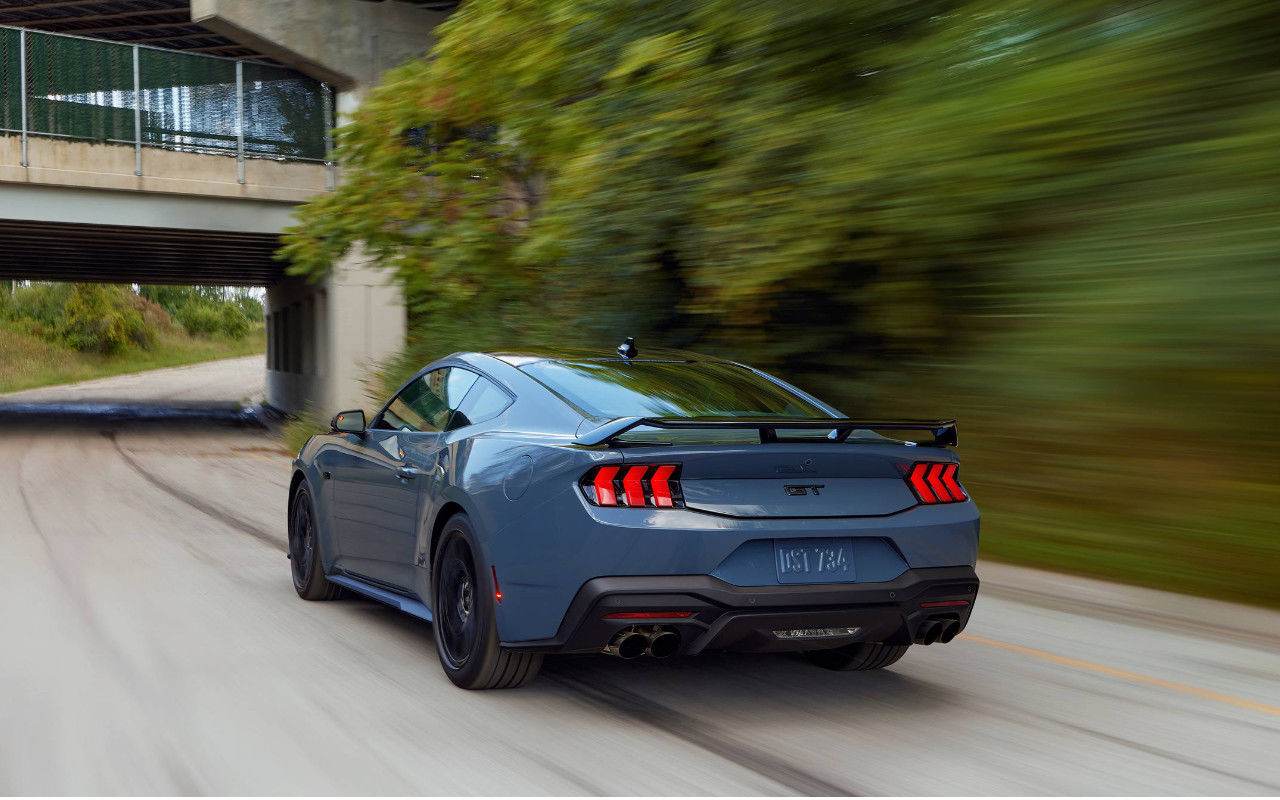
(943, 431)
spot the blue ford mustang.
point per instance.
(636, 505)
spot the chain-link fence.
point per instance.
(126, 94)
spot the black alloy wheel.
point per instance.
(304, 550)
(465, 623)
(456, 603)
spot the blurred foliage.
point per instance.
(299, 428)
(1055, 221)
(90, 317)
(99, 319)
(37, 307)
(110, 319)
(207, 319)
(208, 310)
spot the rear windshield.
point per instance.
(668, 389)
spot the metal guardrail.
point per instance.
(60, 86)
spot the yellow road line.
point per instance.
(1195, 691)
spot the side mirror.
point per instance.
(348, 422)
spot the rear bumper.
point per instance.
(728, 617)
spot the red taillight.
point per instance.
(603, 485)
(649, 615)
(953, 485)
(918, 483)
(653, 485)
(944, 603)
(935, 482)
(661, 485)
(631, 485)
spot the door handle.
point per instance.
(408, 473)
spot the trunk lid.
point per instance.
(828, 479)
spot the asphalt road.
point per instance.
(230, 380)
(151, 642)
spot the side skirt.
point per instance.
(405, 604)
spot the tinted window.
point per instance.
(484, 401)
(668, 389)
(427, 402)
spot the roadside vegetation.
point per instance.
(1054, 221)
(54, 333)
(306, 423)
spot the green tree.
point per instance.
(99, 318)
(172, 297)
(1054, 220)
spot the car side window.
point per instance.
(484, 402)
(428, 401)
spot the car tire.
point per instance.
(465, 625)
(857, 657)
(305, 559)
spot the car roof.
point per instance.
(603, 354)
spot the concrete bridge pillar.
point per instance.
(325, 339)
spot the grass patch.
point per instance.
(29, 362)
(298, 429)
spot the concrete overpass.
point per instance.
(173, 147)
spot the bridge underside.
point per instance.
(146, 164)
(57, 251)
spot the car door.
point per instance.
(378, 493)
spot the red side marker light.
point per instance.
(497, 593)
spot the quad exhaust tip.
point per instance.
(631, 643)
(949, 630)
(664, 644)
(937, 630)
(628, 645)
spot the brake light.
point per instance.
(935, 482)
(642, 485)
(661, 483)
(632, 487)
(603, 485)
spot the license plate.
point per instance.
(814, 560)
